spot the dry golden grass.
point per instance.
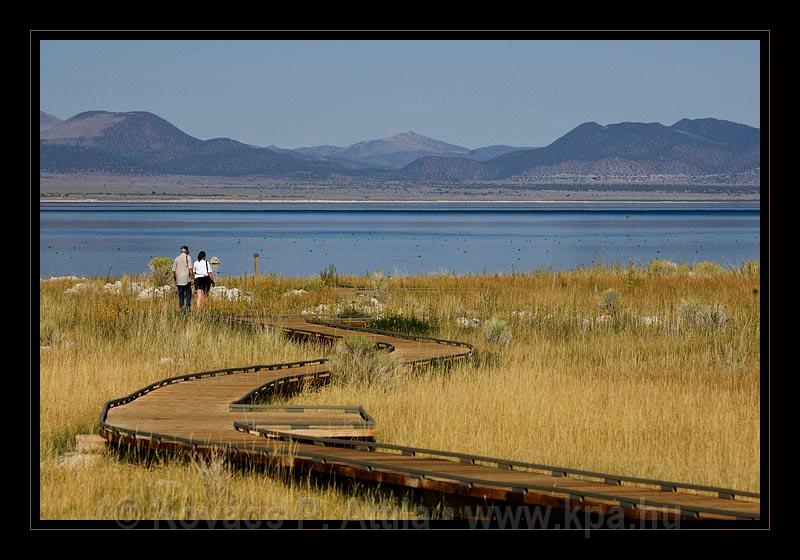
(589, 408)
(175, 490)
(102, 346)
(677, 398)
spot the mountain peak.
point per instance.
(397, 150)
(122, 132)
(409, 135)
(703, 120)
(727, 133)
(46, 120)
(89, 114)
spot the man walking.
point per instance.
(183, 275)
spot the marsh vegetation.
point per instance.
(649, 371)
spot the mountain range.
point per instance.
(688, 147)
(141, 142)
(395, 152)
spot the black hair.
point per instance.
(185, 247)
(201, 255)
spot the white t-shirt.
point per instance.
(202, 268)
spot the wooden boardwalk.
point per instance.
(222, 411)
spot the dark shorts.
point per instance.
(202, 283)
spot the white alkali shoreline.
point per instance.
(324, 201)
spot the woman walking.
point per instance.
(203, 278)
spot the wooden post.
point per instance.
(255, 263)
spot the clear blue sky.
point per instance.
(471, 93)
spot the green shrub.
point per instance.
(328, 275)
(611, 301)
(688, 312)
(715, 316)
(350, 312)
(497, 331)
(161, 269)
(357, 361)
(712, 316)
(660, 267)
(708, 268)
(401, 324)
(379, 283)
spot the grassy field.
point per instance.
(651, 372)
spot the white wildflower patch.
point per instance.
(467, 323)
(299, 292)
(322, 309)
(78, 288)
(114, 288)
(650, 320)
(374, 307)
(522, 315)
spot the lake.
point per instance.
(300, 239)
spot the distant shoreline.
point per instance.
(353, 201)
(84, 187)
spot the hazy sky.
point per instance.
(471, 93)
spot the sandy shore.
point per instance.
(84, 188)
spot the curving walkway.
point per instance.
(219, 411)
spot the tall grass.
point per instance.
(615, 369)
(659, 380)
(175, 490)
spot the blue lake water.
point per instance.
(300, 239)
